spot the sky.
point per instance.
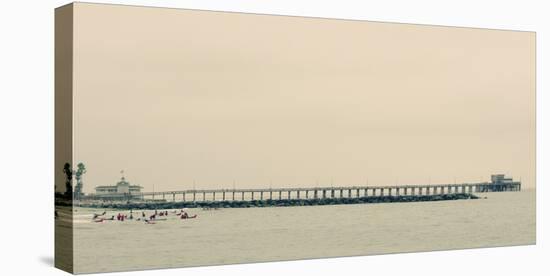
(181, 99)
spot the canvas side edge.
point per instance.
(64, 247)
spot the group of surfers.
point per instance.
(147, 219)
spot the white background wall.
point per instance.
(26, 134)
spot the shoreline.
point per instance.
(274, 203)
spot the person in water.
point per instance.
(184, 215)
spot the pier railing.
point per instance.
(207, 195)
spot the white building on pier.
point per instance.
(122, 190)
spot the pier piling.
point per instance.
(498, 183)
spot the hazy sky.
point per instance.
(175, 96)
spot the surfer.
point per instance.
(99, 215)
(185, 215)
(188, 217)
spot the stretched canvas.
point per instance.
(191, 138)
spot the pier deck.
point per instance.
(498, 184)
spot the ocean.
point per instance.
(232, 235)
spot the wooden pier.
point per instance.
(498, 184)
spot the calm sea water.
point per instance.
(228, 236)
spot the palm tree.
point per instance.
(81, 169)
(68, 180)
